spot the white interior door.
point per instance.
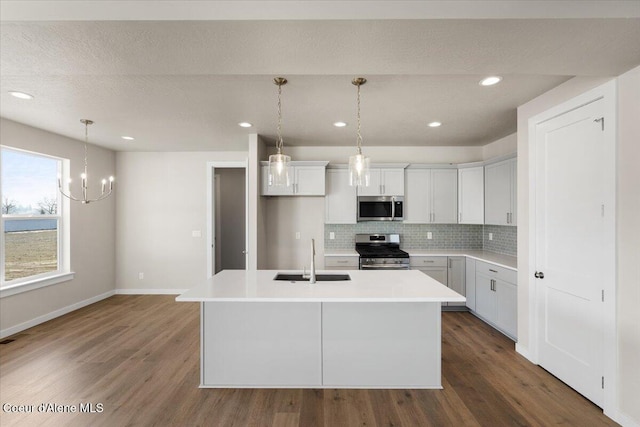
(569, 247)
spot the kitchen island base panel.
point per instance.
(261, 344)
(320, 345)
(381, 344)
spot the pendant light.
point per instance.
(83, 176)
(279, 163)
(359, 173)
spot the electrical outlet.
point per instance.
(332, 235)
(429, 235)
(297, 235)
(196, 233)
(490, 236)
(140, 276)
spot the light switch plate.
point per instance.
(297, 235)
(490, 236)
(196, 233)
(332, 235)
(429, 235)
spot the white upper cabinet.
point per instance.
(471, 195)
(384, 182)
(431, 196)
(307, 179)
(340, 201)
(500, 193)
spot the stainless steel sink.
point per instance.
(319, 277)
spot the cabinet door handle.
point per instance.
(493, 271)
(539, 275)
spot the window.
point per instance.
(34, 222)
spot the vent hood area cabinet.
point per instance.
(340, 202)
(431, 196)
(307, 179)
(471, 195)
(385, 181)
(500, 188)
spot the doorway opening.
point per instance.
(227, 223)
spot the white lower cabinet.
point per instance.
(456, 278)
(496, 297)
(470, 282)
(344, 262)
(449, 271)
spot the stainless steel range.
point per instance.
(381, 252)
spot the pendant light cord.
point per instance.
(359, 136)
(86, 139)
(279, 142)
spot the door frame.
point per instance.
(607, 92)
(211, 170)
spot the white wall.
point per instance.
(628, 243)
(285, 217)
(501, 147)
(92, 230)
(162, 198)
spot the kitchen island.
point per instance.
(381, 329)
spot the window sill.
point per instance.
(34, 284)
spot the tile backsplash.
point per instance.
(505, 239)
(414, 236)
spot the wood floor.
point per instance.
(138, 356)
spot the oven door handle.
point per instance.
(388, 267)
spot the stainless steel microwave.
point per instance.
(380, 208)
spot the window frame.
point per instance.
(63, 271)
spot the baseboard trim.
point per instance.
(150, 291)
(625, 420)
(524, 352)
(52, 315)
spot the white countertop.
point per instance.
(505, 261)
(364, 286)
(341, 252)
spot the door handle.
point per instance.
(539, 275)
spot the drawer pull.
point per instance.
(427, 261)
(342, 262)
(493, 271)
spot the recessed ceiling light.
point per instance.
(128, 138)
(20, 95)
(339, 124)
(434, 124)
(245, 124)
(490, 81)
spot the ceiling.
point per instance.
(183, 85)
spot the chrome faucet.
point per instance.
(312, 278)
